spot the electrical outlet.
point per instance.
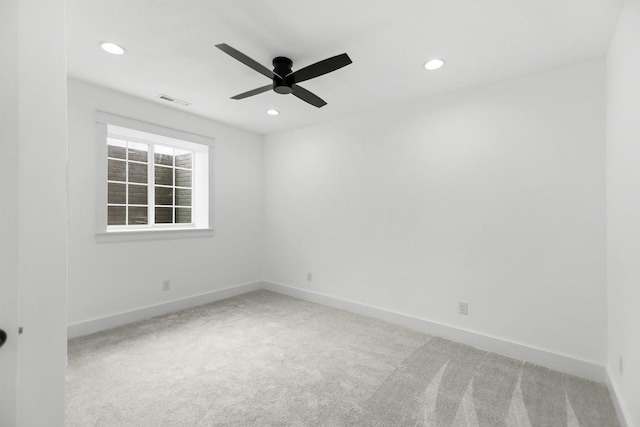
(620, 364)
(309, 277)
(463, 307)
(166, 285)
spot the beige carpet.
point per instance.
(264, 359)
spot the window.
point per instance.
(148, 183)
(151, 181)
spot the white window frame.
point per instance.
(108, 124)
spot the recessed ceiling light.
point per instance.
(433, 64)
(112, 48)
(273, 112)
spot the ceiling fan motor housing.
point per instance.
(282, 67)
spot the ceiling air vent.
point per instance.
(174, 100)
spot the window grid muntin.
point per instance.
(151, 165)
(173, 206)
(126, 181)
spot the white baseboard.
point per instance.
(559, 362)
(108, 322)
(614, 391)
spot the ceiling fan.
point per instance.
(285, 80)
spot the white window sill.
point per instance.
(155, 234)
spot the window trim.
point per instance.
(202, 224)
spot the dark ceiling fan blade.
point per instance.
(253, 92)
(307, 96)
(319, 68)
(251, 63)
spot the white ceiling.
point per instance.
(170, 46)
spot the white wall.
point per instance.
(42, 186)
(493, 195)
(114, 277)
(9, 217)
(623, 209)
